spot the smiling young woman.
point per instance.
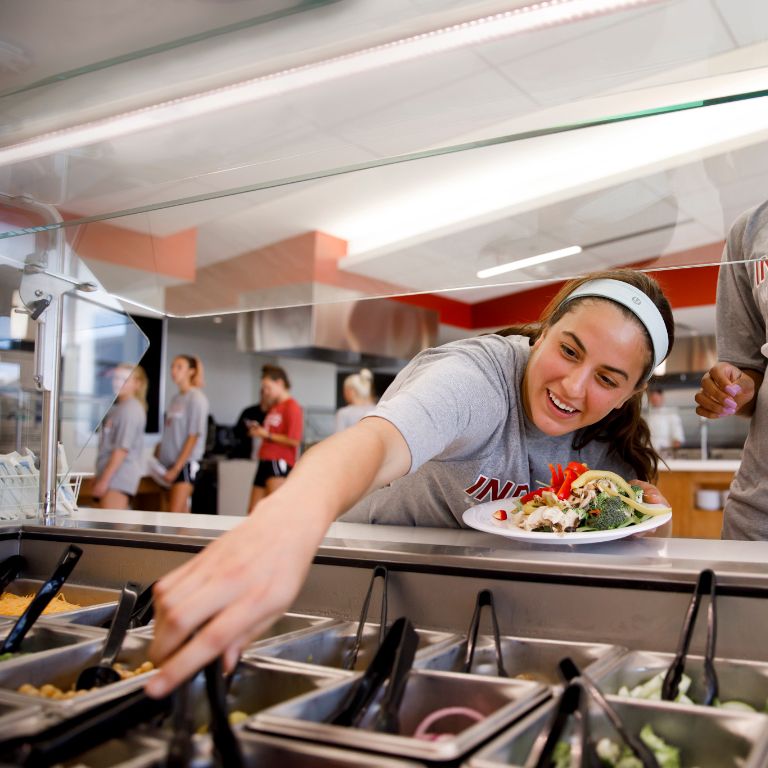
(473, 420)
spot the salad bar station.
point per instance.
(643, 651)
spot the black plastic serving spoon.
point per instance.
(44, 595)
(102, 673)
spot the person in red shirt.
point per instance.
(280, 434)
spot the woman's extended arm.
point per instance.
(244, 581)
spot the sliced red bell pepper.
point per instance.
(565, 489)
(535, 494)
(557, 475)
(577, 467)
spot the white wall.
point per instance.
(233, 378)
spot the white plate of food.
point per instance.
(480, 517)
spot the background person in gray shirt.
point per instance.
(359, 398)
(736, 384)
(186, 424)
(119, 464)
(488, 412)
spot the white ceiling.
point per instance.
(425, 224)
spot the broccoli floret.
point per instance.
(608, 512)
(638, 491)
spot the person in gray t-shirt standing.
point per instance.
(119, 462)
(475, 420)
(358, 394)
(736, 384)
(186, 425)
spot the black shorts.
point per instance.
(267, 469)
(188, 473)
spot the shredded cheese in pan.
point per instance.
(15, 605)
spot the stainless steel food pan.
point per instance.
(258, 685)
(98, 603)
(61, 668)
(499, 700)
(47, 636)
(329, 646)
(262, 751)
(524, 658)
(707, 738)
(16, 717)
(259, 750)
(745, 681)
(130, 752)
(288, 624)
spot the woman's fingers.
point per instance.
(724, 390)
(226, 634)
(220, 600)
(651, 494)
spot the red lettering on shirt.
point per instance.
(761, 269)
(479, 483)
(485, 487)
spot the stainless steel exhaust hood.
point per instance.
(375, 333)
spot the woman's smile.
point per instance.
(561, 407)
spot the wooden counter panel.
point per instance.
(680, 488)
(148, 496)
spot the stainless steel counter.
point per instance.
(633, 588)
(631, 594)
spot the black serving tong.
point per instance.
(484, 598)
(705, 583)
(10, 569)
(181, 746)
(80, 732)
(573, 700)
(227, 752)
(102, 674)
(571, 673)
(44, 595)
(392, 662)
(379, 572)
(144, 610)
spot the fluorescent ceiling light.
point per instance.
(531, 261)
(524, 19)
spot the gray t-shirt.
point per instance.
(742, 311)
(123, 428)
(351, 414)
(459, 410)
(187, 415)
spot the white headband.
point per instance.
(637, 302)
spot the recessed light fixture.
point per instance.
(517, 21)
(531, 261)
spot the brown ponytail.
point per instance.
(623, 428)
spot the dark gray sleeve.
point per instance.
(740, 325)
(447, 403)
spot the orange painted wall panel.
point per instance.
(174, 255)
